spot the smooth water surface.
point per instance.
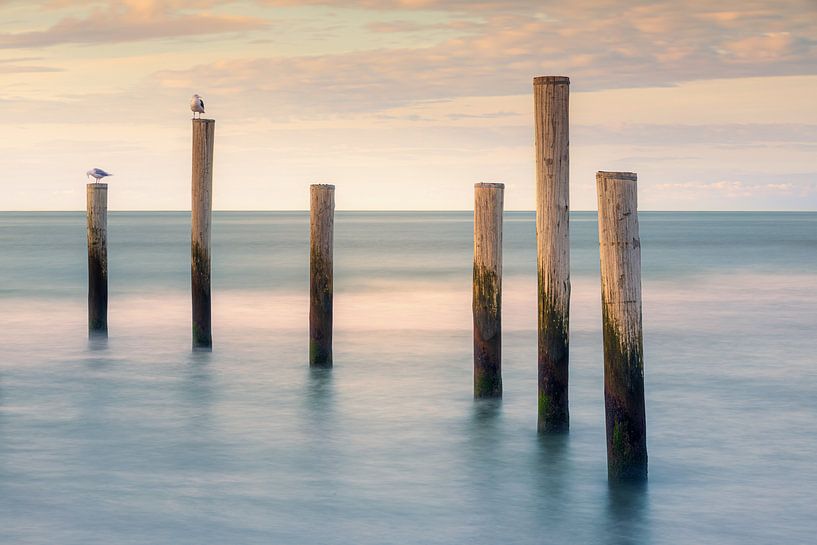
(140, 441)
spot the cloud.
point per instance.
(738, 188)
(391, 27)
(766, 46)
(728, 187)
(730, 134)
(131, 20)
(498, 47)
(11, 66)
(415, 5)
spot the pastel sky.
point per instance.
(405, 104)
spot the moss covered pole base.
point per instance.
(202, 208)
(620, 252)
(487, 290)
(97, 219)
(551, 94)
(321, 226)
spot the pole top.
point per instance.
(97, 185)
(604, 174)
(544, 80)
(485, 185)
(330, 187)
(203, 120)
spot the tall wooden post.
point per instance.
(321, 226)
(202, 206)
(97, 219)
(487, 290)
(551, 95)
(621, 321)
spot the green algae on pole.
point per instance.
(97, 219)
(202, 207)
(620, 256)
(487, 289)
(321, 226)
(550, 97)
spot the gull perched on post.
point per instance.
(197, 105)
(97, 174)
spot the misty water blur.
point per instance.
(138, 440)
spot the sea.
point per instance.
(140, 440)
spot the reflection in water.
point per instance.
(197, 386)
(486, 412)
(97, 342)
(320, 458)
(98, 355)
(485, 463)
(93, 393)
(319, 404)
(319, 397)
(626, 521)
(550, 471)
(485, 435)
(319, 419)
(193, 419)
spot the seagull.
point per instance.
(97, 174)
(197, 105)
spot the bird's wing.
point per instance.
(202, 103)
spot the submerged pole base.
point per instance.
(487, 387)
(548, 421)
(202, 343)
(319, 356)
(97, 333)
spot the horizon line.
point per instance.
(176, 210)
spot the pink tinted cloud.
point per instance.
(132, 20)
(498, 52)
(21, 66)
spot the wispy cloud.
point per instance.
(499, 46)
(733, 134)
(128, 21)
(14, 66)
(738, 188)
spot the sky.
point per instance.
(405, 104)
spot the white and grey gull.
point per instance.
(97, 174)
(197, 106)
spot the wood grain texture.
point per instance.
(202, 207)
(321, 234)
(620, 257)
(97, 221)
(487, 289)
(551, 104)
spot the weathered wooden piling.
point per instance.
(97, 219)
(487, 289)
(620, 247)
(202, 206)
(321, 227)
(551, 94)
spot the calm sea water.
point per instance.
(140, 441)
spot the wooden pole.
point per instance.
(620, 247)
(551, 94)
(97, 219)
(487, 290)
(202, 206)
(321, 227)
